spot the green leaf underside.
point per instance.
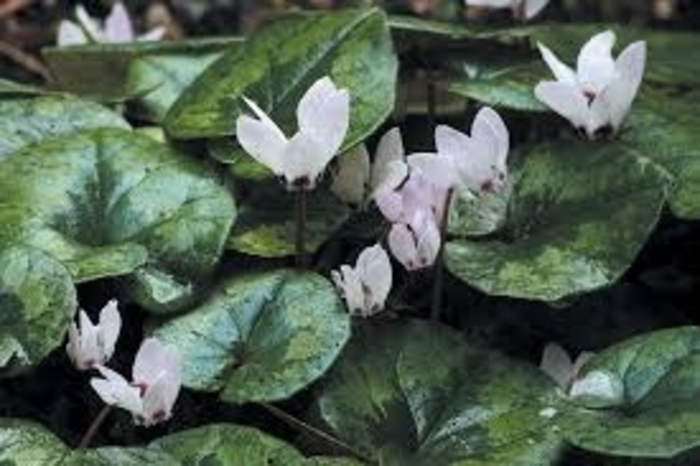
(116, 203)
(388, 397)
(261, 337)
(37, 301)
(266, 225)
(277, 66)
(28, 120)
(101, 71)
(580, 213)
(26, 443)
(660, 372)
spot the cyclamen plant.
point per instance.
(300, 235)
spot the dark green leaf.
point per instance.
(414, 393)
(261, 337)
(580, 213)
(111, 202)
(660, 417)
(276, 67)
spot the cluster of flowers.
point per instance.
(155, 376)
(413, 191)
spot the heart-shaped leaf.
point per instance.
(27, 120)
(659, 415)
(261, 337)
(415, 393)
(276, 66)
(118, 202)
(580, 212)
(37, 301)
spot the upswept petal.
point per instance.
(348, 280)
(350, 181)
(304, 159)
(534, 7)
(89, 350)
(116, 391)
(324, 113)
(394, 175)
(154, 34)
(617, 98)
(566, 100)
(403, 246)
(118, 27)
(89, 25)
(438, 169)
(428, 239)
(389, 203)
(262, 138)
(559, 69)
(595, 65)
(451, 143)
(375, 271)
(70, 33)
(497, 134)
(110, 326)
(491, 3)
(557, 364)
(152, 358)
(388, 158)
(157, 403)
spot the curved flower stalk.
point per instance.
(155, 384)
(117, 28)
(596, 96)
(366, 286)
(522, 9)
(90, 345)
(323, 116)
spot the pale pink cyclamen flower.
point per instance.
(90, 345)
(323, 116)
(597, 95)
(416, 243)
(366, 286)
(557, 364)
(117, 28)
(156, 379)
(522, 9)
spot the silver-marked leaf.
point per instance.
(31, 119)
(261, 337)
(415, 393)
(37, 301)
(276, 66)
(659, 415)
(580, 212)
(112, 202)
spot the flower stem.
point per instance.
(300, 245)
(318, 433)
(439, 277)
(94, 427)
(431, 99)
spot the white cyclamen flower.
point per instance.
(90, 345)
(558, 365)
(477, 162)
(597, 96)
(522, 9)
(156, 379)
(323, 116)
(366, 286)
(117, 28)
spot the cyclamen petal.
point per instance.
(351, 179)
(70, 33)
(118, 27)
(602, 90)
